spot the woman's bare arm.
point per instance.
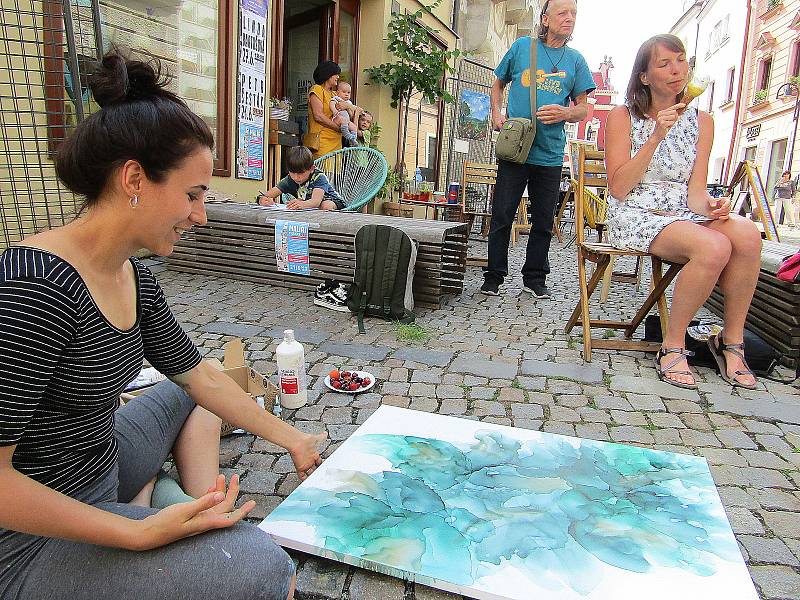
(315, 104)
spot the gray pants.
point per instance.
(238, 563)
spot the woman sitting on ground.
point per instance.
(77, 317)
(657, 152)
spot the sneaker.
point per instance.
(539, 290)
(490, 288)
(331, 294)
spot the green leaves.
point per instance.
(420, 65)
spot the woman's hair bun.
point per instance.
(119, 78)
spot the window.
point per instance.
(711, 97)
(190, 39)
(731, 83)
(764, 73)
(719, 35)
(794, 60)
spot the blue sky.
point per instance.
(618, 28)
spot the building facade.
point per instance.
(767, 123)
(714, 34)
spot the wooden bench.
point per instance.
(238, 242)
(775, 312)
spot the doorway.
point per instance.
(305, 33)
(777, 158)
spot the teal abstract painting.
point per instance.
(495, 512)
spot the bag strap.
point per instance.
(365, 270)
(532, 88)
(390, 268)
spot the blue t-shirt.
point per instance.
(571, 79)
(303, 191)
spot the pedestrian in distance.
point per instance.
(561, 81)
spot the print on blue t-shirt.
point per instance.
(571, 79)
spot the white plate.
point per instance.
(361, 374)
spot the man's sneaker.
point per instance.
(539, 290)
(331, 294)
(490, 288)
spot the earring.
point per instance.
(134, 201)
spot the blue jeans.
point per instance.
(543, 186)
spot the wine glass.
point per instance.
(696, 86)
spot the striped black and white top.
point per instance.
(63, 365)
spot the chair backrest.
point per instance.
(357, 173)
(590, 208)
(481, 174)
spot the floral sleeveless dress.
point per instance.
(661, 197)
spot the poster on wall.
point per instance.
(251, 89)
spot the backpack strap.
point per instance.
(364, 269)
(390, 268)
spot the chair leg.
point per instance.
(607, 280)
(599, 270)
(655, 296)
(663, 309)
(584, 308)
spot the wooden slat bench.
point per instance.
(775, 311)
(238, 242)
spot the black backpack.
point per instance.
(385, 258)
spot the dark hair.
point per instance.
(787, 172)
(325, 70)
(638, 95)
(542, 30)
(139, 120)
(299, 159)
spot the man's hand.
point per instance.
(498, 118)
(552, 113)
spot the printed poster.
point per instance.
(291, 247)
(251, 89)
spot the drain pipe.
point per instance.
(736, 122)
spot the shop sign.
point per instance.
(753, 132)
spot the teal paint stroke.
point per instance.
(561, 513)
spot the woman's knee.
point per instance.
(713, 251)
(745, 237)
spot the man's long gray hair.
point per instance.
(542, 29)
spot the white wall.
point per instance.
(716, 55)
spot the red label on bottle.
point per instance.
(289, 385)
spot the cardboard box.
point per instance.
(233, 365)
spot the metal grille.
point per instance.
(43, 46)
(475, 77)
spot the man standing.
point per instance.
(561, 75)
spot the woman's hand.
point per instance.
(720, 208)
(305, 454)
(666, 118)
(215, 510)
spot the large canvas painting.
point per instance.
(495, 512)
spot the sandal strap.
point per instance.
(666, 370)
(737, 350)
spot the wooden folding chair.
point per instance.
(521, 221)
(480, 175)
(592, 173)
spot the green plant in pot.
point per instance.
(390, 186)
(419, 67)
(425, 191)
(760, 96)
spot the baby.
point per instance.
(345, 113)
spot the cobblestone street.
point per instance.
(506, 360)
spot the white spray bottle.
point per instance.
(291, 360)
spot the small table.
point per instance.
(433, 205)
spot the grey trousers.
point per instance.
(238, 563)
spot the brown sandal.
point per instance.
(717, 346)
(663, 372)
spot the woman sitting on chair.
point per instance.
(657, 152)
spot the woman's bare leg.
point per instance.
(738, 282)
(196, 452)
(705, 253)
(143, 498)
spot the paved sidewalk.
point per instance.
(506, 360)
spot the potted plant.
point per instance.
(425, 191)
(760, 96)
(420, 66)
(390, 186)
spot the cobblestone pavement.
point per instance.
(507, 360)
